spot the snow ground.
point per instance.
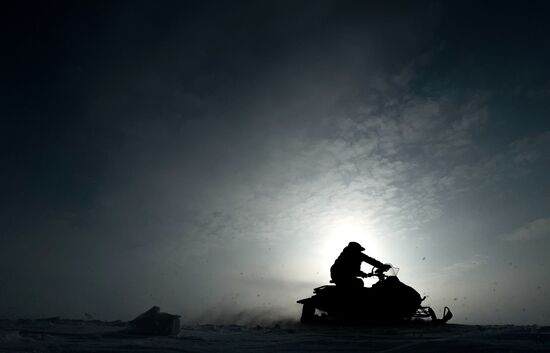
(58, 335)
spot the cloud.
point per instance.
(533, 230)
(383, 158)
(459, 268)
(513, 163)
(466, 265)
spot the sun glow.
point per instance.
(340, 232)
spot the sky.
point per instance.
(214, 157)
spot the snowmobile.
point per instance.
(387, 301)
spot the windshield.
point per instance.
(393, 271)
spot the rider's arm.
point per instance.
(371, 261)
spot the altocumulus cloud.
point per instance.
(538, 228)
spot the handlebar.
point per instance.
(379, 272)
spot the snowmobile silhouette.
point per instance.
(387, 301)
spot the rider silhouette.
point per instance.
(347, 266)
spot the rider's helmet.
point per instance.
(355, 246)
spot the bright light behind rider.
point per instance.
(340, 232)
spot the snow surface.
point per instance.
(59, 335)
